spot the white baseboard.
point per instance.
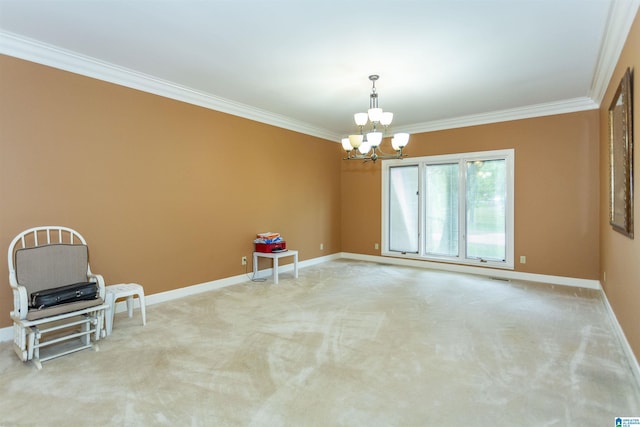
(468, 269)
(222, 283)
(633, 360)
(6, 334)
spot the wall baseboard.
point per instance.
(6, 334)
(624, 343)
(468, 269)
(222, 283)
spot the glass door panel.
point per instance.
(486, 209)
(441, 210)
(403, 209)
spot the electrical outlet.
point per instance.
(376, 246)
(321, 246)
(244, 260)
(523, 259)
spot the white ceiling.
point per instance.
(304, 65)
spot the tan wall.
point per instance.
(556, 189)
(620, 256)
(167, 194)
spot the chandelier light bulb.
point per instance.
(365, 147)
(360, 118)
(346, 144)
(355, 140)
(375, 114)
(374, 138)
(400, 140)
(386, 118)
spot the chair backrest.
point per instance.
(50, 266)
(45, 257)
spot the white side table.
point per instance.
(124, 290)
(275, 256)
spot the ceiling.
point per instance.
(304, 65)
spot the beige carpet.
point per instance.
(346, 344)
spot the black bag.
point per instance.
(69, 293)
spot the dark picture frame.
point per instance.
(621, 157)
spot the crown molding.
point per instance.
(52, 56)
(538, 110)
(621, 16)
(619, 22)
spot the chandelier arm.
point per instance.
(375, 157)
(379, 150)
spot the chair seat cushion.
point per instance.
(35, 314)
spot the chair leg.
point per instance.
(100, 325)
(97, 324)
(142, 308)
(130, 305)
(31, 340)
(20, 341)
(84, 328)
(111, 311)
(36, 348)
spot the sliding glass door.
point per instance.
(456, 208)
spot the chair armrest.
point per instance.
(20, 302)
(100, 281)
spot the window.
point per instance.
(455, 208)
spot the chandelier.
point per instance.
(373, 126)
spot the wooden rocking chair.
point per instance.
(41, 258)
